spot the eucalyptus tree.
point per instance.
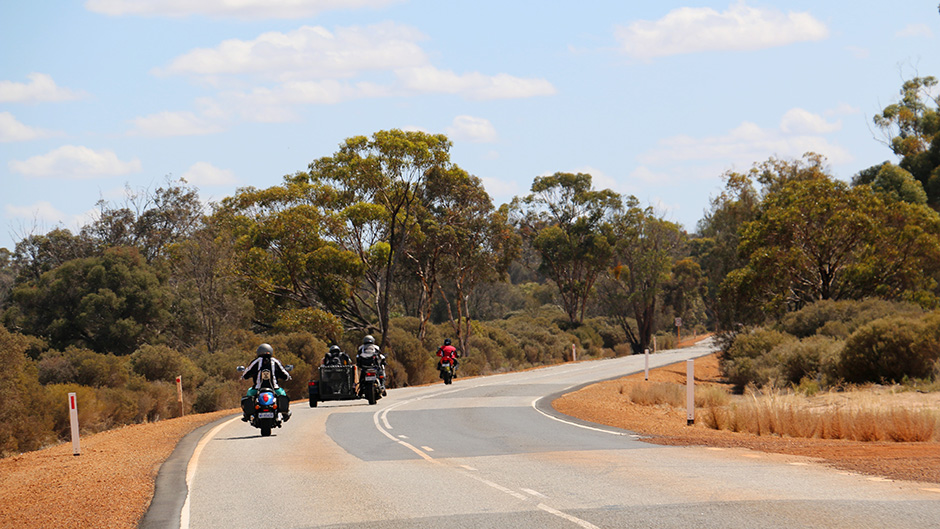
(147, 220)
(110, 303)
(912, 130)
(465, 242)
(565, 219)
(374, 189)
(284, 256)
(646, 248)
(820, 239)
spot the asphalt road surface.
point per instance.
(490, 452)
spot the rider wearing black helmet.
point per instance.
(265, 361)
(448, 352)
(336, 357)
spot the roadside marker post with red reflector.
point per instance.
(73, 419)
(179, 391)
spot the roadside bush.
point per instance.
(84, 367)
(840, 318)
(303, 346)
(742, 363)
(25, 422)
(159, 362)
(891, 350)
(409, 362)
(156, 400)
(218, 394)
(814, 358)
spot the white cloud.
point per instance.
(12, 130)
(799, 121)
(428, 79)
(249, 9)
(75, 162)
(749, 143)
(310, 52)
(165, 124)
(206, 174)
(690, 29)
(472, 129)
(42, 214)
(915, 30)
(41, 88)
(312, 65)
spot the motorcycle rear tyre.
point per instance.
(265, 431)
(370, 394)
(448, 377)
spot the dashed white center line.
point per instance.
(427, 448)
(534, 493)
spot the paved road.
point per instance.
(489, 452)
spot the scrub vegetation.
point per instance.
(810, 282)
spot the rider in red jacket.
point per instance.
(448, 353)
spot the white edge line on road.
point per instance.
(552, 417)
(191, 470)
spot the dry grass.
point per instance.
(794, 415)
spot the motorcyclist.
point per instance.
(369, 355)
(265, 362)
(336, 357)
(447, 353)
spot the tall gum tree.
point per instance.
(564, 218)
(375, 184)
(645, 250)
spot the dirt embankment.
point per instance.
(112, 482)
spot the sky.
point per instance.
(653, 99)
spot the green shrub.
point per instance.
(85, 367)
(409, 361)
(891, 350)
(159, 362)
(825, 316)
(814, 358)
(218, 394)
(25, 419)
(742, 363)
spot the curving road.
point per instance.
(490, 452)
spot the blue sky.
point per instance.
(653, 99)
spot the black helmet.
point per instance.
(334, 348)
(446, 341)
(265, 350)
(368, 339)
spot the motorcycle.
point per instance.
(372, 383)
(264, 408)
(447, 370)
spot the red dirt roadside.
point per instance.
(602, 403)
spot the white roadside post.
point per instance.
(690, 391)
(179, 391)
(574, 353)
(646, 368)
(73, 419)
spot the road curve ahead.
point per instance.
(488, 452)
